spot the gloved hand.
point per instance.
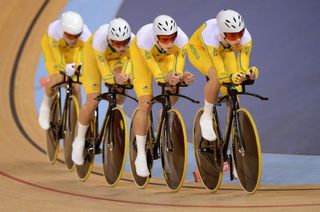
(238, 77)
(252, 73)
(70, 69)
(187, 77)
(173, 78)
(121, 78)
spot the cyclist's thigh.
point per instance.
(143, 103)
(142, 76)
(91, 78)
(76, 88)
(55, 79)
(199, 59)
(92, 101)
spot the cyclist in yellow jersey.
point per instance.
(106, 57)
(212, 50)
(62, 48)
(159, 49)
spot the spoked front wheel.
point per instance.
(53, 132)
(72, 114)
(247, 161)
(141, 182)
(84, 170)
(115, 145)
(173, 148)
(208, 157)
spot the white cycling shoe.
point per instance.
(44, 117)
(77, 151)
(206, 126)
(141, 165)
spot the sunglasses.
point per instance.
(72, 37)
(165, 39)
(234, 36)
(119, 44)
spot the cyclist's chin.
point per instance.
(234, 44)
(71, 43)
(167, 49)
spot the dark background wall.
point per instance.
(286, 36)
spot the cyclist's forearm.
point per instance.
(181, 59)
(153, 66)
(244, 57)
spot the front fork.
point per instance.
(233, 123)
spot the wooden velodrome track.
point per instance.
(29, 183)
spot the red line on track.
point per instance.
(147, 203)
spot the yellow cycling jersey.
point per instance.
(104, 54)
(101, 59)
(206, 49)
(153, 55)
(57, 53)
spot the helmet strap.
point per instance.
(228, 46)
(110, 46)
(160, 49)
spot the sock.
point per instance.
(141, 142)
(82, 130)
(207, 109)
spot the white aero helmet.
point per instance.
(164, 25)
(229, 21)
(72, 23)
(119, 30)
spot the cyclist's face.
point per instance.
(120, 46)
(71, 40)
(234, 39)
(166, 42)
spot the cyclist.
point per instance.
(212, 50)
(62, 48)
(106, 57)
(159, 49)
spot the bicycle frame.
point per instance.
(110, 96)
(164, 99)
(64, 122)
(232, 119)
